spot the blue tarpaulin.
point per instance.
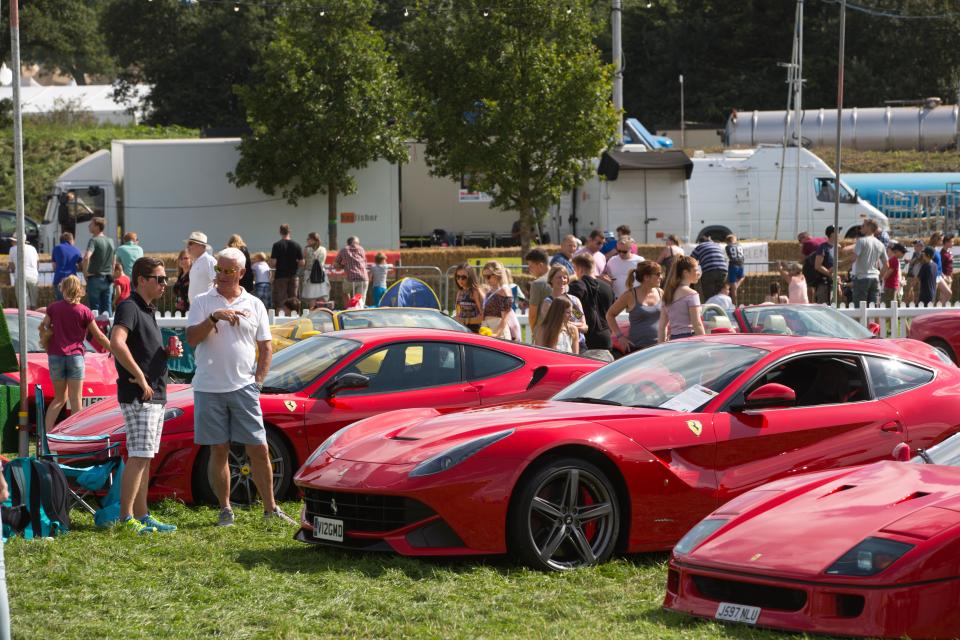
(410, 292)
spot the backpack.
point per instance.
(318, 275)
(39, 502)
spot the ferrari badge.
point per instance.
(695, 426)
(290, 405)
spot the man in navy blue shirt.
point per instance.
(567, 248)
(66, 259)
(713, 267)
(928, 277)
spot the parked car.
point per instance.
(323, 321)
(8, 229)
(864, 551)
(939, 329)
(100, 372)
(627, 458)
(318, 385)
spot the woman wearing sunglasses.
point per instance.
(469, 310)
(498, 305)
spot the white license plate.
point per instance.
(328, 529)
(737, 613)
(89, 400)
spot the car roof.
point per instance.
(774, 342)
(383, 334)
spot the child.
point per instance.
(796, 283)
(775, 297)
(890, 275)
(735, 267)
(723, 298)
(121, 285)
(378, 277)
(261, 278)
(927, 277)
(292, 306)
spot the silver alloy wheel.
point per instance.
(571, 519)
(242, 488)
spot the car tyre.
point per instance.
(565, 515)
(242, 488)
(944, 348)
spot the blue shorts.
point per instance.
(231, 416)
(66, 367)
(734, 273)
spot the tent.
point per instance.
(410, 292)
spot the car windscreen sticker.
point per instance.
(689, 399)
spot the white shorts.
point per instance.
(144, 424)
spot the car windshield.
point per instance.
(322, 320)
(803, 320)
(33, 335)
(946, 453)
(295, 367)
(682, 376)
(397, 317)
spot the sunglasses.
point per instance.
(229, 271)
(489, 275)
(161, 280)
(460, 276)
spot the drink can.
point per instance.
(173, 346)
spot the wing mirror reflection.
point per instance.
(348, 381)
(874, 328)
(770, 395)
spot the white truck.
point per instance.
(731, 192)
(164, 189)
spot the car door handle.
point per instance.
(892, 427)
(818, 209)
(475, 388)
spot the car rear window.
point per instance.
(890, 376)
(484, 363)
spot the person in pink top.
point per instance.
(64, 328)
(797, 290)
(353, 260)
(680, 311)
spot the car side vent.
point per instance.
(912, 496)
(403, 438)
(843, 487)
(538, 375)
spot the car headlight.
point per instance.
(326, 444)
(869, 558)
(698, 534)
(456, 455)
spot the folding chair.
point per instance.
(100, 481)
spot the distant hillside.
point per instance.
(891, 161)
(49, 150)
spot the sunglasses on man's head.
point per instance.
(229, 270)
(160, 279)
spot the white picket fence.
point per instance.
(893, 320)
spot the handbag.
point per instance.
(318, 275)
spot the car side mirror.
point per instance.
(348, 381)
(901, 452)
(769, 396)
(874, 328)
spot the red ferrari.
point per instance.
(940, 330)
(627, 458)
(318, 385)
(866, 551)
(100, 375)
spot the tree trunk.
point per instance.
(332, 240)
(526, 228)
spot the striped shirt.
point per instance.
(711, 256)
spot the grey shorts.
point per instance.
(144, 424)
(231, 416)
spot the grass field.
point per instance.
(254, 581)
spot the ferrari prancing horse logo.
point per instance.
(290, 405)
(695, 426)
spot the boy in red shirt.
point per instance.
(891, 273)
(121, 285)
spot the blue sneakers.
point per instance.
(160, 527)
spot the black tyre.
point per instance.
(242, 488)
(943, 347)
(564, 515)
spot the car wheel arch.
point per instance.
(597, 458)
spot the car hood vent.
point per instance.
(843, 487)
(404, 438)
(913, 496)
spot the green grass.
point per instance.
(254, 581)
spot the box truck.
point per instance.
(164, 189)
(657, 193)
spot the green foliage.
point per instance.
(50, 149)
(728, 53)
(328, 101)
(192, 55)
(518, 100)
(6, 113)
(65, 34)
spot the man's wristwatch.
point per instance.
(213, 320)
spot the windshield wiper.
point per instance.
(588, 400)
(274, 390)
(645, 406)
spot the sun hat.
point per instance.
(197, 237)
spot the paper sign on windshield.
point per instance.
(689, 399)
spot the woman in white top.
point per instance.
(556, 331)
(680, 311)
(498, 315)
(310, 291)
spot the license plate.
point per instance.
(737, 613)
(328, 529)
(89, 400)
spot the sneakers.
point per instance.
(225, 519)
(279, 515)
(160, 527)
(136, 526)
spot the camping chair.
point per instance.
(90, 481)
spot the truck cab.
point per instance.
(81, 193)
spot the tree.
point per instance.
(204, 50)
(328, 102)
(61, 34)
(513, 95)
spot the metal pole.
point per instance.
(836, 201)
(616, 13)
(23, 444)
(798, 111)
(683, 122)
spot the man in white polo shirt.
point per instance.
(31, 270)
(202, 275)
(230, 333)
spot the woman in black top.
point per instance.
(182, 285)
(247, 280)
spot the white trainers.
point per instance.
(280, 515)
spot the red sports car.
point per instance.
(100, 375)
(939, 329)
(629, 457)
(318, 385)
(866, 551)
